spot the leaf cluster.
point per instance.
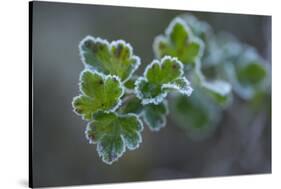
(116, 102)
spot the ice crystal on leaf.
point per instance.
(179, 42)
(161, 77)
(115, 58)
(99, 93)
(113, 133)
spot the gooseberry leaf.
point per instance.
(223, 48)
(159, 78)
(99, 93)
(199, 28)
(179, 42)
(113, 133)
(132, 105)
(197, 115)
(155, 115)
(249, 74)
(219, 90)
(115, 58)
(130, 84)
(181, 84)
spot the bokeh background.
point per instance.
(61, 153)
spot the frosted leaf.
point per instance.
(179, 42)
(99, 93)
(219, 90)
(249, 74)
(161, 77)
(115, 58)
(155, 115)
(113, 133)
(131, 105)
(182, 85)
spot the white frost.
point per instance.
(134, 67)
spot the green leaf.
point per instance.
(155, 115)
(249, 74)
(131, 105)
(115, 58)
(130, 84)
(181, 84)
(252, 73)
(223, 48)
(199, 28)
(179, 42)
(197, 115)
(99, 93)
(113, 133)
(161, 77)
(219, 90)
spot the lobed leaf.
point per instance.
(113, 133)
(197, 115)
(99, 93)
(249, 74)
(179, 42)
(199, 28)
(132, 105)
(130, 84)
(115, 58)
(219, 90)
(161, 77)
(223, 48)
(155, 115)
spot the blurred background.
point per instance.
(61, 153)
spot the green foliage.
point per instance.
(132, 105)
(179, 42)
(98, 93)
(218, 90)
(199, 28)
(161, 77)
(249, 75)
(114, 133)
(155, 115)
(197, 115)
(116, 102)
(130, 83)
(115, 58)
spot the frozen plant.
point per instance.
(116, 102)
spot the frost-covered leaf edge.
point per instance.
(163, 116)
(125, 144)
(109, 44)
(168, 31)
(158, 99)
(104, 77)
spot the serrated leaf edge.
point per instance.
(163, 116)
(104, 77)
(126, 145)
(110, 45)
(155, 61)
(225, 92)
(158, 99)
(186, 92)
(168, 31)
